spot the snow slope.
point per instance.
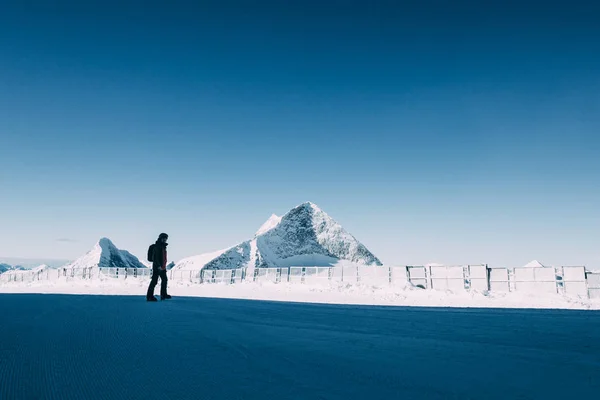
(196, 263)
(305, 236)
(106, 254)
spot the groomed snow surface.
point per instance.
(121, 347)
(328, 293)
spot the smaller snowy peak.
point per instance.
(271, 223)
(30, 263)
(7, 267)
(106, 255)
(19, 270)
(534, 264)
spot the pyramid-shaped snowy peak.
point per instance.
(106, 255)
(305, 236)
(533, 264)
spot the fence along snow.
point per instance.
(499, 280)
(573, 279)
(478, 277)
(350, 274)
(535, 280)
(316, 275)
(223, 276)
(296, 275)
(418, 276)
(593, 281)
(398, 276)
(447, 278)
(267, 275)
(573, 282)
(375, 276)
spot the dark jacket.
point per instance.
(160, 256)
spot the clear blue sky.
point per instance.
(449, 132)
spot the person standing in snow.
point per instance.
(159, 268)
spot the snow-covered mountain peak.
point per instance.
(304, 236)
(308, 205)
(106, 254)
(271, 223)
(105, 243)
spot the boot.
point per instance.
(165, 297)
(151, 298)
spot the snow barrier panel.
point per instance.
(316, 275)
(337, 274)
(105, 273)
(499, 280)
(574, 283)
(143, 273)
(237, 275)
(447, 278)
(478, 277)
(296, 275)
(374, 275)
(222, 276)
(535, 280)
(267, 275)
(593, 281)
(350, 274)
(418, 276)
(398, 276)
(183, 275)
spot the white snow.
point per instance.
(271, 223)
(40, 268)
(196, 263)
(326, 292)
(254, 257)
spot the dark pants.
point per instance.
(157, 272)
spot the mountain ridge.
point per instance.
(304, 236)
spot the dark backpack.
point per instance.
(151, 252)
